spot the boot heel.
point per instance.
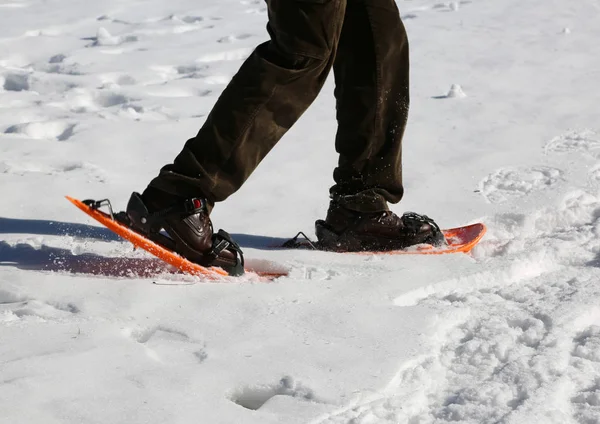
(328, 240)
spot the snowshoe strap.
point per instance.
(413, 222)
(152, 221)
(299, 241)
(97, 204)
(187, 207)
(221, 241)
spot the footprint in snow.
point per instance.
(7, 297)
(198, 71)
(15, 81)
(38, 82)
(191, 71)
(113, 20)
(82, 170)
(47, 130)
(44, 310)
(58, 64)
(502, 351)
(79, 170)
(83, 100)
(594, 174)
(509, 183)
(514, 329)
(231, 55)
(189, 19)
(233, 38)
(254, 397)
(256, 6)
(585, 357)
(451, 6)
(585, 141)
(14, 306)
(168, 345)
(115, 80)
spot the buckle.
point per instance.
(221, 241)
(194, 205)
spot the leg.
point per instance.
(273, 88)
(371, 75)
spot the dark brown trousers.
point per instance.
(365, 42)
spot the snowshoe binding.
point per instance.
(345, 230)
(185, 228)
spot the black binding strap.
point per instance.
(97, 204)
(187, 207)
(221, 241)
(413, 221)
(295, 242)
(178, 210)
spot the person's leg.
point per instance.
(371, 75)
(272, 89)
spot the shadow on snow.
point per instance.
(45, 258)
(48, 258)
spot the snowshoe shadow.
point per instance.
(252, 241)
(55, 228)
(26, 257)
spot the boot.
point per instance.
(188, 228)
(345, 230)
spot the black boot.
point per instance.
(345, 230)
(189, 231)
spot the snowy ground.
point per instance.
(96, 96)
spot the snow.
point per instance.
(96, 96)
(456, 91)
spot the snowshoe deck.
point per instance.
(459, 240)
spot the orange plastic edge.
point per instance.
(461, 239)
(160, 252)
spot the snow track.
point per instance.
(517, 343)
(512, 357)
(520, 341)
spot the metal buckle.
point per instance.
(191, 207)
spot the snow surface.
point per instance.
(96, 96)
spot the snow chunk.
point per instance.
(104, 38)
(456, 91)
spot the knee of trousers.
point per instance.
(294, 57)
(304, 32)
